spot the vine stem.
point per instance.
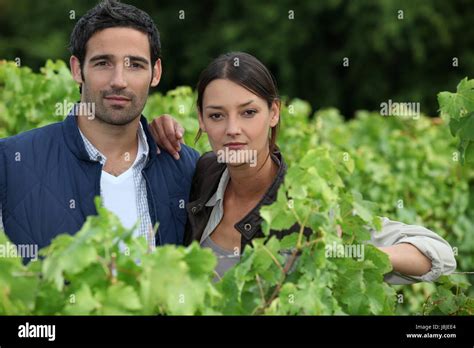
(104, 265)
(314, 241)
(289, 263)
(287, 268)
(262, 295)
(113, 269)
(300, 234)
(217, 275)
(273, 258)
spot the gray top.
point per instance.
(393, 232)
(225, 258)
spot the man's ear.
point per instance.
(75, 66)
(156, 73)
(275, 113)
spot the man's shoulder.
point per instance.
(183, 168)
(187, 156)
(34, 137)
(189, 153)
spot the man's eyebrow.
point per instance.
(100, 57)
(139, 59)
(109, 57)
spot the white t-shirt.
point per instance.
(119, 194)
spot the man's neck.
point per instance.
(112, 141)
(118, 143)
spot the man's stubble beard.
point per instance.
(115, 115)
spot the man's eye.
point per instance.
(136, 66)
(102, 63)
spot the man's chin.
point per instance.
(117, 119)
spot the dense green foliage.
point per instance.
(341, 177)
(458, 108)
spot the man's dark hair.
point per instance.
(111, 14)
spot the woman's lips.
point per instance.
(235, 146)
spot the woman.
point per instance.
(239, 109)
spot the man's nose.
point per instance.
(118, 79)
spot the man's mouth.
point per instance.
(117, 99)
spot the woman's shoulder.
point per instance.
(207, 158)
(208, 162)
(208, 168)
(206, 176)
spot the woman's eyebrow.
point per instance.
(247, 103)
(221, 107)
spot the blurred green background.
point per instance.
(404, 56)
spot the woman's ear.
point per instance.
(275, 113)
(201, 122)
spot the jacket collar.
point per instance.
(219, 194)
(251, 223)
(76, 145)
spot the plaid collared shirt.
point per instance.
(145, 228)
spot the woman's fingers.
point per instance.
(167, 145)
(163, 132)
(169, 128)
(152, 128)
(179, 132)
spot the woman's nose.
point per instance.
(233, 126)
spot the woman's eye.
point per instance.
(215, 116)
(250, 112)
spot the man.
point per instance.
(50, 176)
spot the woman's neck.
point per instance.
(249, 183)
